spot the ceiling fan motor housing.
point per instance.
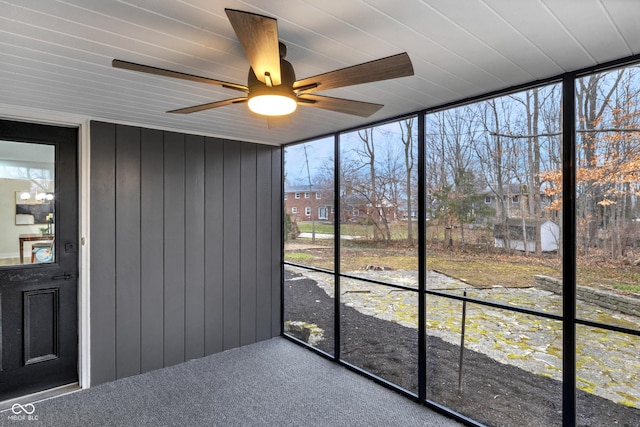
(271, 100)
(287, 77)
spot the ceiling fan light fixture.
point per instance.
(272, 104)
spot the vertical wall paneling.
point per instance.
(263, 243)
(248, 233)
(214, 237)
(102, 219)
(194, 247)
(152, 250)
(185, 247)
(231, 245)
(1, 329)
(127, 251)
(276, 241)
(174, 253)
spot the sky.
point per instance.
(321, 152)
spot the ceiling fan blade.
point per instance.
(208, 106)
(116, 63)
(258, 36)
(347, 106)
(390, 67)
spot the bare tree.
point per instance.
(591, 105)
(495, 158)
(367, 153)
(313, 222)
(406, 129)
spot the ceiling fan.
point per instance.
(272, 88)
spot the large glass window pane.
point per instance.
(27, 202)
(493, 198)
(607, 190)
(378, 202)
(378, 226)
(379, 327)
(309, 211)
(607, 279)
(509, 371)
(493, 221)
(607, 377)
(309, 307)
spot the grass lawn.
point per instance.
(626, 278)
(476, 266)
(491, 271)
(479, 269)
(397, 231)
(346, 229)
(320, 227)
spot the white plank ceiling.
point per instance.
(56, 55)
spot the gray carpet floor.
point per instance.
(271, 383)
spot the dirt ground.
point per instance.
(492, 393)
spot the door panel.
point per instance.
(38, 285)
(41, 334)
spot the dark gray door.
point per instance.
(38, 257)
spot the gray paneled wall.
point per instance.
(185, 247)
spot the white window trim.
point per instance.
(307, 211)
(307, 195)
(318, 195)
(297, 195)
(294, 210)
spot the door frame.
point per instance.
(84, 151)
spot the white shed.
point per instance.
(521, 232)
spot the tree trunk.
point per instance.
(313, 222)
(407, 140)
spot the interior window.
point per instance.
(27, 203)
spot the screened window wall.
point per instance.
(485, 257)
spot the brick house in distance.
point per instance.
(308, 203)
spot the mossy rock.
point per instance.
(310, 333)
